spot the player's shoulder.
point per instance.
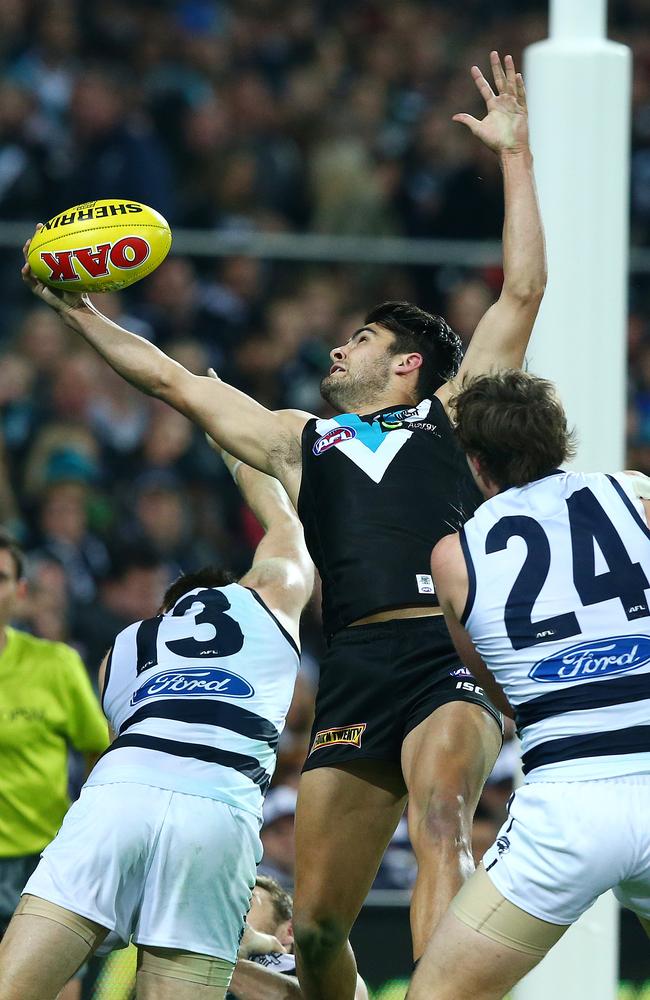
(447, 553)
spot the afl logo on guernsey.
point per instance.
(194, 683)
(336, 436)
(594, 659)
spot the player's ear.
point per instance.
(409, 363)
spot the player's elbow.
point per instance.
(526, 289)
(172, 384)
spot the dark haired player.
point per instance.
(163, 843)
(375, 488)
(545, 591)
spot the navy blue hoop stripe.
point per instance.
(210, 712)
(246, 765)
(107, 677)
(636, 739)
(263, 604)
(630, 506)
(595, 694)
(471, 576)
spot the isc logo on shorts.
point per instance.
(342, 734)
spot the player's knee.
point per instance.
(318, 938)
(443, 822)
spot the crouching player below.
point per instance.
(162, 845)
(545, 592)
(269, 974)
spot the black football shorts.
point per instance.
(379, 681)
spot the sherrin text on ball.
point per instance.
(100, 246)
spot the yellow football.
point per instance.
(100, 246)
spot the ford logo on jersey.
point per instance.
(193, 683)
(336, 436)
(598, 658)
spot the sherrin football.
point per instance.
(100, 246)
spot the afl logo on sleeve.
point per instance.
(329, 440)
(193, 683)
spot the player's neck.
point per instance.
(384, 402)
(3, 638)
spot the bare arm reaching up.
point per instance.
(267, 440)
(502, 335)
(282, 573)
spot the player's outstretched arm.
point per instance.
(451, 582)
(282, 572)
(267, 440)
(502, 335)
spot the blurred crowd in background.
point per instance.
(238, 116)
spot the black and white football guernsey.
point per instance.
(558, 607)
(198, 698)
(378, 491)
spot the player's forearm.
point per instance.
(131, 356)
(254, 982)
(524, 252)
(265, 496)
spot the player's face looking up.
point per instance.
(401, 354)
(361, 370)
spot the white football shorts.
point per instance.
(158, 867)
(566, 843)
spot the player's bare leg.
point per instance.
(446, 761)
(39, 954)
(169, 974)
(462, 964)
(344, 821)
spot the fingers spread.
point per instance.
(511, 75)
(521, 90)
(466, 120)
(483, 87)
(498, 74)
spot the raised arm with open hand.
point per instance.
(265, 439)
(505, 127)
(501, 337)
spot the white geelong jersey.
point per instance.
(559, 577)
(198, 698)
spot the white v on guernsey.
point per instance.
(559, 575)
(198, 698)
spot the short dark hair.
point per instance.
(207, 576)
(513, 423)
(9, 544)
(428, 334)
(282, 902)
